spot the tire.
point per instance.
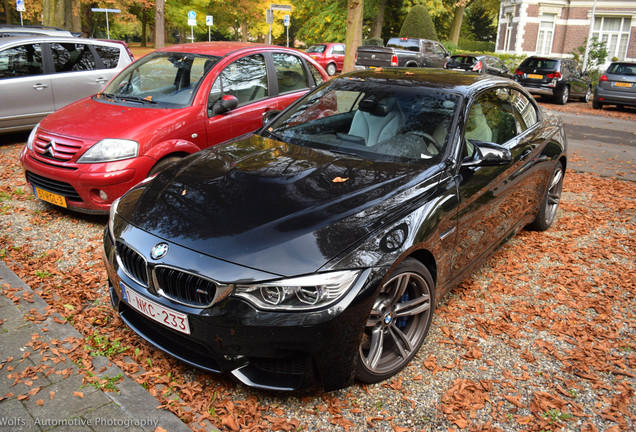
(163, 164)
(331, 69)
(597, 105)
(550, 203)
(561, 96)
(588, 93)
(398, 322)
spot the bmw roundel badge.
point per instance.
(159, 251)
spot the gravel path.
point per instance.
(542, 337)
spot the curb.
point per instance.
(41, 388)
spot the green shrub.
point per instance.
(373, 41)
(476, 46)
(418, 24)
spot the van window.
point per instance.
(109, 55)
(71, 57)
(21, 61)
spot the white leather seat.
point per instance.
(376, 122)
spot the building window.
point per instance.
(614, 31)
(508, 32)
(546, 33)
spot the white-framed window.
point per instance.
(546, 34)
(614, 31)
(508, 32)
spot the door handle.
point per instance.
(526, 153)
(40, 86)
(101, 80)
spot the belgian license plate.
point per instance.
(535, 76)
(166, 316)
(50, 197)
(622, 84)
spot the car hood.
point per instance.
(276, 207)
(90, 120)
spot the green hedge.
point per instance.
(476, 46)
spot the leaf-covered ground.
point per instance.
(541, 338)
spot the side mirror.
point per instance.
(488, 154)
(269, 116)
(225, 104)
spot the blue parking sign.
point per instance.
(19, 5)
(192, 15)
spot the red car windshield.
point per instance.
(317, 49)
(164, 79)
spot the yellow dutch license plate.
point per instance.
(535, 76)
(622, 84)
(50, 197)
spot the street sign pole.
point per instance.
(209, 21)
(192, 21)
(269, 13)
(287, 28)
(269, 18)
(106, 10)
(19, 5)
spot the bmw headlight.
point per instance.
(32, 135)
(110, 150)
(306, 292)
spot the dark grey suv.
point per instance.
(617, 86)
(559, 78)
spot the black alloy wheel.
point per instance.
(550, 204)
(561, 96)
(398, 322)
(586, 97)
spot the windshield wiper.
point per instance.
(128, 98)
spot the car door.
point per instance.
(27, 95)
(246, 79)
(492, 197)
(439, 55)
(339, 55)
(79, 72)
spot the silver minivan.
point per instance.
(41, 74)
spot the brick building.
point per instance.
(558, 27)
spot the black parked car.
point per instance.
(617, 86)
(480, 63)
(559, 78)
(317, 248)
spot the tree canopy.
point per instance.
(312, 21)
(418, 24)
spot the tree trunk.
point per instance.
(353, 38)
(457, 24)
(9, 11)
(378, 20)
(244, 31)
(160, 40)
(144, 28)
(76, 18)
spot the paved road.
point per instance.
(601, 145)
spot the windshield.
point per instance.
(163, 79)
(404, 43)
(370, 119)
(622, 69)
(316, 49)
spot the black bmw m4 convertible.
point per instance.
(313, 251)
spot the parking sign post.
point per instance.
(192, 21)
(287, 28)
(209, 21)
(19, 5)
